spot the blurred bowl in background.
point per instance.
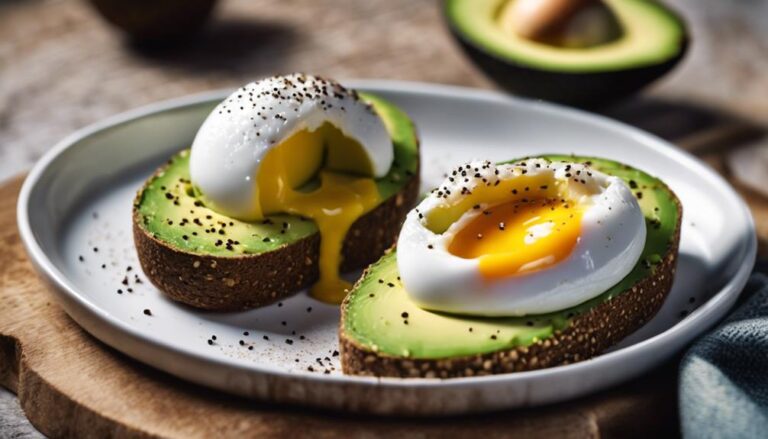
(653, 40)
(156, 20)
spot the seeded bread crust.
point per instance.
(588, 335)
(236, 283)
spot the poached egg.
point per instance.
(530, 237)
(296, 144)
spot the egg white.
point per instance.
(611, 241)
(230, 145)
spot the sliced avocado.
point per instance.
(380, 317)
(173, 211)
(652, 39)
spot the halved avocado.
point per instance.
(652, 41)
(156, 21)
(383, 333)
(207, 260)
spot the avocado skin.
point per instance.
(583, 90)
(156, 20)
(236, 283)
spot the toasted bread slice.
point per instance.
(206, 260)
(240, 282)
(527, 343)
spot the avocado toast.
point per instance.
(384, 333)
(208, 260)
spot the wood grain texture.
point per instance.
(71, 385)
(62, 68)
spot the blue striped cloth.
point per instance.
(724, 376)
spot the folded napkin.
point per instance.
(724, 375)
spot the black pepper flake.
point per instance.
(493, 337)
(265, 337)
(81, 258)
(246, 333)
(404, 315)
(147, 312)
(288, 341)
(210, 342)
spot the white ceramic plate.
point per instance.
(77, 202)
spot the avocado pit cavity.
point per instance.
(561, 23)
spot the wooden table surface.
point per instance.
(61, 68)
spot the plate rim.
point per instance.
(697, 322)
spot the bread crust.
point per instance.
(587, 335)
(236, 283)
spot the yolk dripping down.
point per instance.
(345, 193)
(519, 236)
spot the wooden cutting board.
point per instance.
(71, 385)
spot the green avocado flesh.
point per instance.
(650, 34)
(172, 210)
(378, 306)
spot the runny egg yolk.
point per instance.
(337, 174)
(519, 237)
